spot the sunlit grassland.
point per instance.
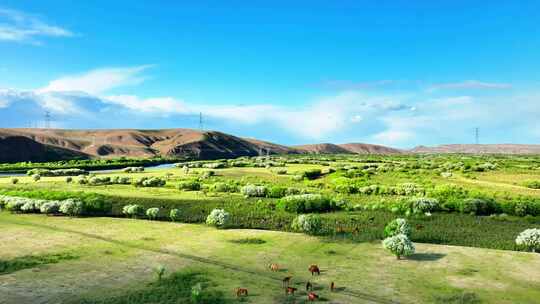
(117, 256)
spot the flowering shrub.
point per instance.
(50, 207)
(280, 171)
(59, 172)
(132, 210)
(219, 218)
(174, 214)
(152, 213)
(446, 174)
(409, 189)
(216, 165)
(150, 182)
(529, 239)
(72, 207)
(31, 205)
(189, 185)
(97, 180)
(133, 169)
(424, 204)
(397, 226)
(399, 245)
(254, 191)
(36, 177)
(307, 223)
(121, 180)
(14, 204)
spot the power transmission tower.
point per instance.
(47, 120)
(477, 135)
(201, 126)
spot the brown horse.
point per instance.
(309, 286)
(314, 269)
(290, 290)
(274, 267)
(332, 286)
(312, 296)
(241, 292)
(286, 281)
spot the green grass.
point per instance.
(31, 261)
(117, 258)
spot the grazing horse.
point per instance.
(332, 286)
(241, 292)
(286, 281)
(274, 267)
(312, 296)
(290, 290)
(314, 269)
(309, 286)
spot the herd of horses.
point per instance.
(312, 296)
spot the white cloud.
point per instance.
(393, 137)
(356, 119)
(469, 84)
(97, 81)
(160, 105)
(21, 27)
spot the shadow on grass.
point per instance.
(31, 261)
(429, 257)
(269, 276)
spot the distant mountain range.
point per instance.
(58, 144)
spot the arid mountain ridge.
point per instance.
(59, 144)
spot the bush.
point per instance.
(219, 218)
(189, 185)
(14, 204)
(133, 210)
(276, 192)
(97, 180)
(72, 207)
(69, 179)
(533, 184)
(529, 239)
(280, 171)
(474, 206)
(150, 182)
(423, 205)
(174, 214)
(397, 226)
(312, 174)
(399, 245)
(120, 180)
(14, 180)
(222, 187)
(59, 172)
(50, 207)
(307, 223)
(254, 191)
(36, 177)
(82, 180)
(207, 174)
(32, 206)
(305, 203)
(133, 169)
(152, 213)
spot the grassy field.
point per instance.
(111, 258)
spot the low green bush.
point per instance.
(399, 245)
(397, 226)
(305, 203)
(133, 210)
(72, 207)
(174, 214)
(254, 191)
(150, 182)
(189, 185)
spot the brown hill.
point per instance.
(360, 148)
(56, 144)
(480, 149)
(325, 148)
(351, 148)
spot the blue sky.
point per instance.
(400, 73)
